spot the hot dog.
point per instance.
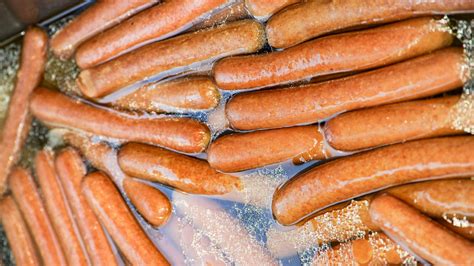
(231, 13)
(392, 123)
(374, 249)
(151, 203)
(109, 206)
(216, 223)
(26, 194)
(439, 198)
(242, 151)
(96, 18)
(310, 19)
(345, 52)
(159, 22)
(359, 174)
(426, 75)
(170, 56)
(466, 231)
(17, 121)
(58, 110)
(58, 209)
(156, 208)
(21, 243)
(182, 172)
(177, 96)
(263, 9)
(426, 238)
(71, 170)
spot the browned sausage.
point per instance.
(156, 209)
(439, 198)
(392, 123)
(112, 211)
(21, 243)
(96, 18)
(242, 151)
(150, 202)
(426, 238)
(58, 209)
(71, 170)
(182, 172)
(173, 55)
(359, 174)
(346, 52)
(177, 96)
(231, 13)
(416, 78)
(58, 110)
(310, 19)
(17, 121)
(466, 231)
(263, 9)
(32, 207)
(159, 22)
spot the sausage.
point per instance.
(439, 198)
(263, 9)
(225, 230)
(310, 19)
(172, 56)
(151, 203)
(231, 13)
(242, 151)
(109, 206)
(156, 209)
(426, 238)
(196, 246)
(156, 23)
(58, 209)
(466, 231)
(17, 120)
(420, 77)
(177, 96)
(179, 171)
(346, 52)
(21, 243)
(58, 110)
(373, 249)
(71, 170)
(26, 194)
(392, 123)
(359, 174)
(338, 225)
(95, 19)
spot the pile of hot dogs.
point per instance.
(375, 75)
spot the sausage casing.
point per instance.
(17, 121)
(182, 172)
(339, 53)
(242, 151)
(359, 174)
(408, 227)
(58, 110)
(172, 55)
(423, 76)
(109, 206)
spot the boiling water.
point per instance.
(210, 222)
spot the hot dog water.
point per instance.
(240, 133)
